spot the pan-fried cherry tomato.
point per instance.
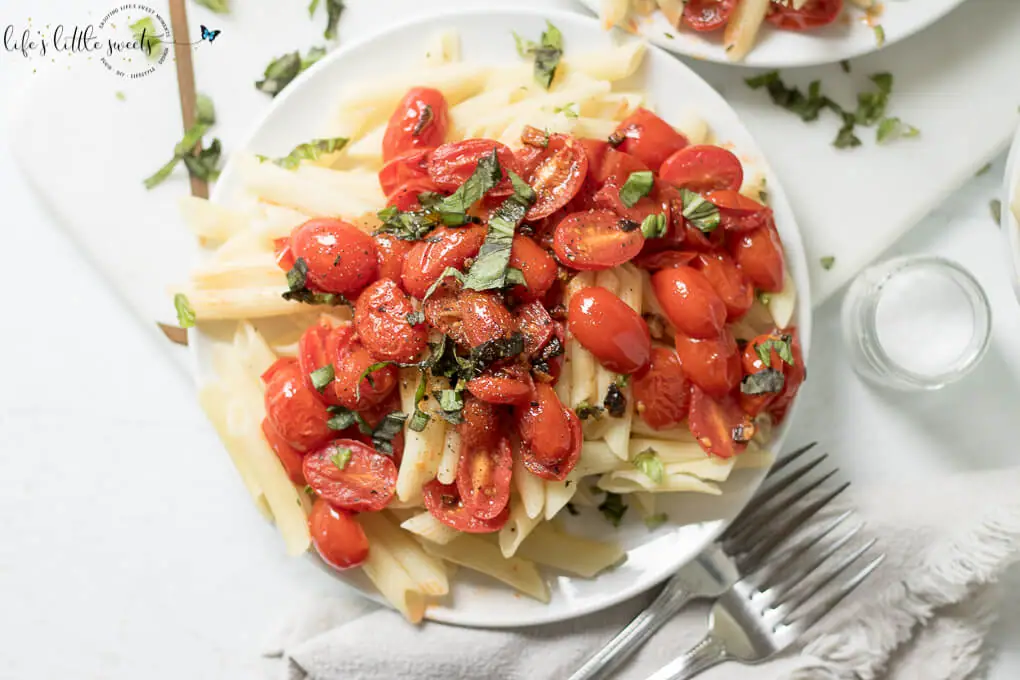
(557, 176)
(718, 424)
(292, 407)
(351, 476)
(703, 167)
(372, 417)
(713, 365)
(734, 289)
(452, 164)
(662, 393)
(738, 212)
(337, 536)
(544, 426)
(408, 166)
(405, 197)
(480, 425)
(605, 162)
(380, 317)
(318, 347)
(537, 266)
(442, 310)
(751, 362)
(649, 138)
(608, 328)
(664, 259)
(483, 478)
(284, 255)
(446, 247)
(707, 15)
(596, 239)
(759, 255)
(537, 326)
(484, 317)
(812, 14)
(444, 503)
(355, 389)
(689, 300)
(794, 375)
(391, 253)
(608, 198)
(506, 385)
(289, 458)
(419, 121)
(340, 257)
(559, 469)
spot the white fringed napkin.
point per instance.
(922, 616)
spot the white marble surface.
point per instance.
(129, 550)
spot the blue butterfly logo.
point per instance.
(209, 35)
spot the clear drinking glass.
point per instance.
(915, 323)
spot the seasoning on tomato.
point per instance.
(340, 257)
(703, 167)
(648, 138)
(337, 536)
(759, 255)
(420, 120)
(446, 247)
(361, 381)
(452, 164)
(608, 328)
(689, 300)
(351, 475)
(444, 503)
(811, 14)
(712, 364)
(707, 15)
(718, 424)
(383, 319)
(662, 393)
(733, 287)
(483, 478)
(556, 176)
(292, 407)
(596, 239)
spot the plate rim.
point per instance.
(1008, 221)
(228, 182)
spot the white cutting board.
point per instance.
(87, 151)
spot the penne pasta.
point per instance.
(447, 471)
(517, 527)
(486, 558)
(422, 450)
(582, 556)
(781, 305)
(209, 221)
(429, 528)
(395, 584)
(625, 481)
(530, 488)
(742, 27)
(427, 572)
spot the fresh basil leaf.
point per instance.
(654, 226)
(515, 277)
(763, 297)
(769, 381)
(388, 428)
(995, 206)
(655, 521)
(893, 128)
(341, 457)
(419, 419)
(407, 226)
(827, 262)
(984, 169)
(310, 151)
(622, 380)
(636, 187)
(547, 53)
(334, 8)
(451, 400)
(525, 47)
(218, 6)
(650, 464)
(699, 211)
(279, 73)
(486, 175)
(613, 508)
(322, 377)
(845, 138)
(584, 410)
(424, 118)
(297, 284)
(489, 270)
(340, 418)
(449, 271)
(845, 65)
(312, 6)
(415, 318)
(205, 164)
(314, 55)
(185, 312)
(297, 276)
(879, 34)
(567, 110)
(367, 375)
(487, 353)
(615, 401)
(781, 346)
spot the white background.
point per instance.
(128, 548)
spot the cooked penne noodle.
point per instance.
(742, 27)
(625, 481)
(517, 527)
(673, 10)
(395, 584)
(258, 271)
(429, 528)
(582, 556)
(670, 451)
(447, 471)
(679, 433)
(530, 488)
(618, 434)
(486, 558)
(645, 502)
(209, 221)
(427, 572)
(613, 12)
(240, 303)
(558, 494)
(422, 450)
(443, 48)
(290, 189)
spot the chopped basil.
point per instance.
(218, 6)
(204, 164)
(341, 418)
(984, 168)
(627, 226)
(419, 419)
(412, 225)
(654, 226)
(297, 276)
(894, 128)
(145, 34)
(871, 105)
(657, 520)
(613, 508)
(424, 118)
(485, 176)
(488, 353)
(845, 65)
(489, 270)
(827, 262)
(279, 73)
(879, 34)
(547, 53)
(322, 377)
(615, 401)
(367, 375)
(451, 400)
(567, 110)
(782, 347)
(636, 187)
(297, 284)
(309, 491)
(185, 313)
(995, 205)
(205, 112)
(415, 318)
(769, 381)
(584, 410)
(120, 96)
(650, 464)
(334, 8)
(763, 297)
(341, 457)
(669, 35)
(310, 151)
(699, 211)
(388, 428)
(622, 380)
(449, 271)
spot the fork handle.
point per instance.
(702, 656)
(670, 601)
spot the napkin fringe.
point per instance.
(863, 647)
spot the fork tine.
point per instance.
(790, 606)
(780, 590)
(749, 519)
(784, 461)
(813, 615)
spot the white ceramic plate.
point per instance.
(847, 37)
(302, 112)
(1009, 223)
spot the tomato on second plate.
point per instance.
(713, 365)
(444, 503)
(453, 163)
(556, 470)
(484, 317)
(420, 120)
(734, 289)
(759, 254)
(649, 138)
(483, 478)
(662, 393)
(380, 317)
(557, 176)
(812, 14)
(340, 257)
(365, 482)
(596, 239)
(544, 426)
(505, 385)
(356, 390)
(608, 328)
(446, 247)
(290, 458)
(707, 15)
(337, 536)
(391, 253)
(703, 167)
(293, 408)
(718, 424)
(408, 166)
(537, 266)
(689, 300)
(317, 347)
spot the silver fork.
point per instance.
(759, 617)
(739, 551)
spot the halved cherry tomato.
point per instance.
(293, 408)
(682, 233)
(452, 164)
(391, 252)
(713, 365)
(537, 266)
(408, 166)
(559, 469)
(317, 347)
(759, 255)
(596, 239)
(284, 255)
(364, 483)
(544, 426)
(795, 376)
(290, 458)
(442, 310)
(446, 247)
(689, 300)
(613, 164)
(483, 478)
(718, 424)
(420, 120)
(480, 425)
(707, 15)
(734, 289)
(703, 167)
(664, 259)
(372, 417)
(354, 388)
(380, 317)
(506, 385)
(608, 328)
(662, 393)
(738, 212)
(608, 198)
(648, 137)
(405, 197)
(534, 322)
(812, 14)
(340, 257)
(753, 404)
(557, 176)
(484, 317)
(337, 536)
(444, 503)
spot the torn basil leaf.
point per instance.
(547, 53)
(489, 270)
(297, 276)
(205, 112)
(995, 206)
(782, 347)
(486, 175)
(424, 118)
(334, 8)
(827, 262)
(419, 419)
(217, 6)
(615, 401)
(613, 508)
(203, 165)
(279, 73)
(310, 151)
(650, 464)
(699, 211)
(636, 187)
(449, 271)
(341, 418)
(341, 457)
(185, 313)
(367, 375)
(322, 377)
(388, 428)
(415, 318)
(893, 128)
(769, 381)
(584, 411)
(484, 355)
(297, 284)
(654, 226)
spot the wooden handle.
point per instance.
(186, 79)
